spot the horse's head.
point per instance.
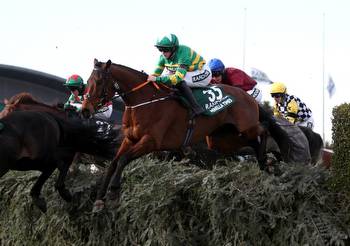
(100, 88)
(9, 108)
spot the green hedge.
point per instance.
(176, 203)
(341, 147)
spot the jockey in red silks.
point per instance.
(235, 77)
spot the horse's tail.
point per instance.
(315, 143)
(276, 131)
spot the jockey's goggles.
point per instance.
(165, 49)
(73, 88)
(216, 73)
(275, 95)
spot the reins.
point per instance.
(107, 75)
(147, 102)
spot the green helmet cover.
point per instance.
(168, 41)
(74, 81)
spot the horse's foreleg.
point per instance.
(259, 146)
(144, 146)
(127, 152)
(63, 167)
(36, 190)
(111, 169)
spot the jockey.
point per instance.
(185, 68)
(235, 77)
(290, 107)
(76, 85)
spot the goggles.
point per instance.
(73, 88)
(216, 73)
(165, 49)
(276, 95)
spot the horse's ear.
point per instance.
(108, 64)
(95, 61)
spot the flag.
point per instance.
(260, 76)
(330, 87)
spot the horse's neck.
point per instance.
(129, 81)
(36, 106)
(129, 77)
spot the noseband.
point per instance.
(105, 77)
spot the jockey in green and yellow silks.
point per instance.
(290, 107)
(182, 67)
(76, 85)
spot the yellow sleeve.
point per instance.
(292, 111)
(276, 113)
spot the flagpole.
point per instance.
(323, 76)
(244, 36)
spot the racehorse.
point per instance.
(153, 120)
(25, 101)
(303, 140)
(40, 137)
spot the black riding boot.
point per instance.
(187, 92)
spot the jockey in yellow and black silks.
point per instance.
(183, 67)
(290, 107)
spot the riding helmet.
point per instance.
(216, 65)
(278, 88)
(169, 41)
(74, 81)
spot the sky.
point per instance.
(298, 42)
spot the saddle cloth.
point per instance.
(212, 98)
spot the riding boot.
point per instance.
(187, 92)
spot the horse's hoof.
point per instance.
(99, 205)
(40, 203)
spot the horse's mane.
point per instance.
(23, 98)
(131, 69)
(140, 73)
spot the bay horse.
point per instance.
(154, 121)
(40, 137)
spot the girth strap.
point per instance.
(190, 127)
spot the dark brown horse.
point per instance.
(36, 136)
(25, 101)
(153, 120)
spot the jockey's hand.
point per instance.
(151, 78)
(291, 119)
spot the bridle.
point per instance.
(105, 77)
